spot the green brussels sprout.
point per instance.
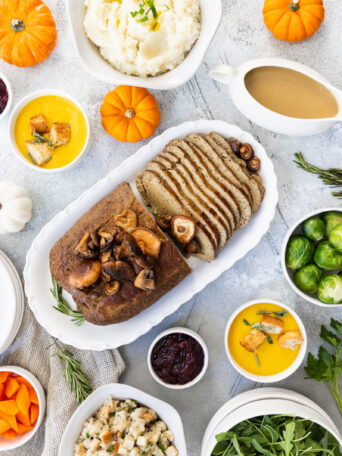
(299, 251)
(314, 228)
(330, 289)
(335, 237)
(308, 277)
(327, 257)
(332, 219)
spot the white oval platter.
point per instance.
(91, 337)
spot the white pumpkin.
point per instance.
(15, 207)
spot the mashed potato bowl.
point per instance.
(91, 58)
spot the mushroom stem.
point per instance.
(129, 113)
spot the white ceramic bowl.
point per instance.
(269, 378)
(296, 229)
(258, 395)
(23, 438)
(22, 103)
(165, 411)
(269, 407)
(211, 13)
(10, 96)
(194, 335)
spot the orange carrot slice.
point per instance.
(4, 426)
(10, 419)
(10, 434)
(11, 387)
(23, 380)
(9, 407)
(3, 376)
(2, 389)
(23, 428)
(33, 396)
(23, 399)
(23, 418)
(34, 410)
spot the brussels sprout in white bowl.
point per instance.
(312, 257)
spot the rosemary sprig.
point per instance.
(31, 158)
(73, 375)
(63, 306)
(41, 139)
(330, 176)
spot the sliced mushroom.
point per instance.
(127, 220)
(164, 221)
(106, 240)
(106, 256)
(94, 237)
(85, 274)
(84, 250)
(148, 241)
(192, 248)
(111, 288)
(145, 280)
(144, 260)
(119, 237)
(183, 228)
(118, 270)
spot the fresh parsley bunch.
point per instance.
(327, 367)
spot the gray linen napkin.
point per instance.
(32, 350)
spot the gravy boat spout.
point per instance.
(234, 77)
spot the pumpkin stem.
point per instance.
(294, 5)
(17, 25)
(129, 113)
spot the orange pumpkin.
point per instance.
(27, 32)
(130, 114)
(293, 20)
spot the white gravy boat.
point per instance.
(234, 77)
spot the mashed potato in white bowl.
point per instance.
(184, 52)
(143, 37)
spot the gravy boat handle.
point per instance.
(223, 73)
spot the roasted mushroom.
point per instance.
(111, 288)
(148, 241)
(106, 256)
(127, 220)
(119, 237)
(192, 248)
(246, 152)
(235, 145)
(144, 260)
(145, 280)
(254, 164)
(164, 221)
(118, 270)
(183, 229)
(106, 240)
(85, 274)
(85, 250)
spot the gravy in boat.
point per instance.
(290, 93)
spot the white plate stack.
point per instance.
(264, 401)
(12, 302)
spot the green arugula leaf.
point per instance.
(288, 437)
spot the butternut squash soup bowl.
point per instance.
(265, 341)
(49, 131)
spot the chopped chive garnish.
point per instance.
(143, 19)
(153, 8)
(246, 322)
(269, 340)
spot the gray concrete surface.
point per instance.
(241, 36)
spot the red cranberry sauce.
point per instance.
(3, 96)
(177, 359)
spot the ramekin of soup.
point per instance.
(265, 341)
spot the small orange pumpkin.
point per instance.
(27, 32)
(293, 20)
(130, 114)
